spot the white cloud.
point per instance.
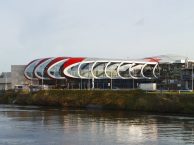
(33, 29)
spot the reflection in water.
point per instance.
(48, 126)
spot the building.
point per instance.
(17, 76)
(5, 81)
(170, 72)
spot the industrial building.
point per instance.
(168, 72)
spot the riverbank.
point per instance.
(133, 100)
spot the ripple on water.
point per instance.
(49, 126)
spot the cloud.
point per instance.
(140, 22)
(112, 28)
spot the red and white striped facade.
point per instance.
(93, 68)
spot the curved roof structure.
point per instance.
(29, 70)
(39, 70)
(167, 58)
(54, 68)
(97, 68)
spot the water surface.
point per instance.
(20, 125)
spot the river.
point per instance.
(20, 125)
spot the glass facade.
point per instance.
(112, 70)
(169, 72)
(85, 70)
(29, 71)
(99, 70)
(40, 69)
(55, 70)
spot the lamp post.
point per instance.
(111, 81)
(5, 81)
(81, 84)
(55, 74)
(192, 78)
(42, 77)
(88, 84)
(93, 83)
(88, 79)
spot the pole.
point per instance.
(42, 77)
(81, 83)
(192, 77)
(56, 79)
(92, 83)
(88, 84)
(111, 80)
(5, 81)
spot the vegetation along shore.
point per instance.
(131, 100)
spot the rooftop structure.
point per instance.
(88, 68)
(125, 72)
(167, 71)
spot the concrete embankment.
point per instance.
(134, 100)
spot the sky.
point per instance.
(31, 29)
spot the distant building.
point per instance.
(17, 76)
(5, 81)
(169, 72)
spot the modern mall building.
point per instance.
(168, 71)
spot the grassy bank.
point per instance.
(134, 100)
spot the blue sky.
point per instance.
(32, 29)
